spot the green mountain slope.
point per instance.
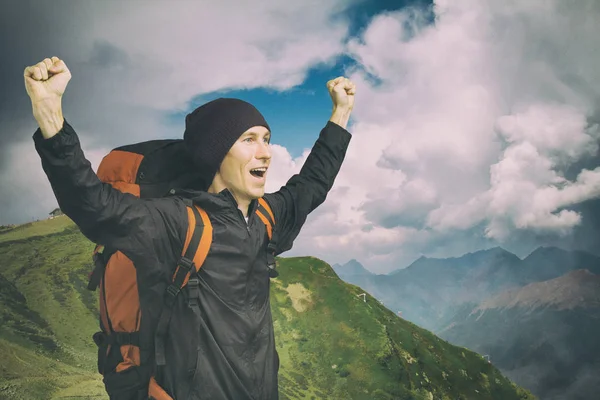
(332, 343)
(47, 315)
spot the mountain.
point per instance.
(543, 335)
(431, 291)
(352, 272)
(332, 343)
(47, 315)
(442, 294)
(352, 267)
(550, 262)
(576, 289)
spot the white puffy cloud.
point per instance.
(464, 128)
(187, 48)
(528, 190)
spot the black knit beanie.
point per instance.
(211, 130)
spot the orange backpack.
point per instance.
(148, 169)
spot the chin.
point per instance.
(257, 193)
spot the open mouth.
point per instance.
(258, 172)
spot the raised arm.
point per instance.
(308, 189)
(104, 215)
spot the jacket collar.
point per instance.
(225, 193)
(214, 201)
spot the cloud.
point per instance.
(464, 130)
(134, 62)
(31, 197)
(472, 131)
(190, 48)
(407, 205)
(528, 189)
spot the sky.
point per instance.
(476, 123)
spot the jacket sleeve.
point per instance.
(105, 215)
(307, 190)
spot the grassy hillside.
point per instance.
(332, 344)
(39, 228)
(47, 315)
(330, 339)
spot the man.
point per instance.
(228, 351)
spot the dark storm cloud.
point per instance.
(135, 63)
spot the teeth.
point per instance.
(263, 169)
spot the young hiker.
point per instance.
(223, 346)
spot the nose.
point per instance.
(263, 151)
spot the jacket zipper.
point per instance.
(244, 220)
(247, 224)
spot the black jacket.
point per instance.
(236, 356)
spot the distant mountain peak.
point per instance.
(468, 260)
(579, 288)
(547, 250)
(497, 250)
(352, 267)
(554, 251)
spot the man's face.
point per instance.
(244, 169)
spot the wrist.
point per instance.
(49, 118)
(340, 116)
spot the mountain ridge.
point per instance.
(352, 267)
(537, 317)
(578, 288)
(543, 335)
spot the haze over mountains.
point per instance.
(430, 290)
(575, 289)
(538, 318)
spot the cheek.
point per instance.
(237, 163)
(236, 171)
(229, 170)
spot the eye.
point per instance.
(248, 139)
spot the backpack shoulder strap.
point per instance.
(100, 261)
(195, 249)
(266, 215)
(197, 242)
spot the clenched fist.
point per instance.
(342, 92)
(46, 82)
